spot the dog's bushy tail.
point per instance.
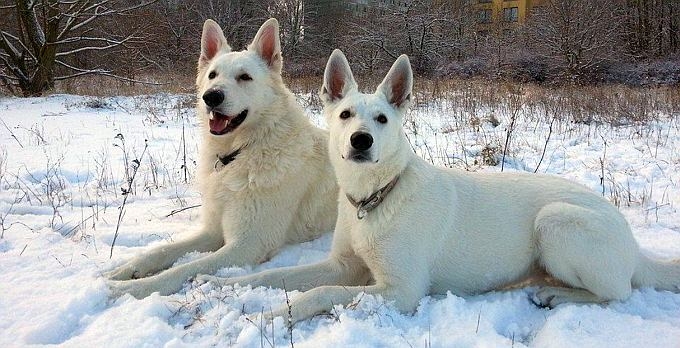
(662, 275)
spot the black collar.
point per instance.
(222, 161)
(370, 203)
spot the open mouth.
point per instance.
(222, 124)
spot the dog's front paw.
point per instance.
(117, 288)
(263, 317)
(136, 288)
(122, 273)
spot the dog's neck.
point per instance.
(360, 181)
(371, 202)
(224, 160)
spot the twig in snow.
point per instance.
(126, 194)
(11, 133)
(175, 211)
(602, 160)
(545, 146)
(516, 105)
(290, 315)
(184, 151)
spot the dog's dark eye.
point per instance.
(212, 75)
(381, 119)
(244, 77)
(344, 115)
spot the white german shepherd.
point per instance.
(408, 228)
(264, 172)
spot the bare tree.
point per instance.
(498, 45)
(575, 38)
(430, 32)
(654, 27)
(41, 40)
(291, 15)
(178, 25)
(239, 19)
(309, 31)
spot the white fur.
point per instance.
(444, 230)
(280, 188)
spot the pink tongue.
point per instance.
(218, 124)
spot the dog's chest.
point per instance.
(367, 241)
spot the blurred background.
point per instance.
(124, 47)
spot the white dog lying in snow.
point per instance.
(264, 171)
(406, 228)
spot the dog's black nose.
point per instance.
(361, 141)
(213, 97)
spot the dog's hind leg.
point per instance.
(552, 296)
(162, 257)
(592, 251)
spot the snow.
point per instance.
(62, 168)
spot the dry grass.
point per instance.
(612, 104)
(100, 86)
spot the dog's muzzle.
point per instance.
(213, 98)
(361, 144)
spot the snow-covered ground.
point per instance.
(64, 160)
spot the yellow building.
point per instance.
(504, 11)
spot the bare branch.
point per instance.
(3, 40)
(9, 77)
(35, 32)
(76, 39)
(112, 44)
(100, 72)
(7, 46)
(96, 14)
(20, 75)
(91, 71)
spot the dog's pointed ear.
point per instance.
(338, 79)
(398, 83)
(212, 42)
(267, 44)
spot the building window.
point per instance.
(484, 16)
(510, 14)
